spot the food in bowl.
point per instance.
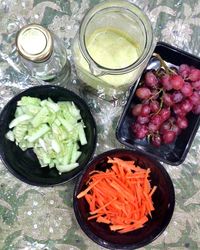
(163, 200)
(166, 97)
(24, 164)
(53, 130)
(121, 196)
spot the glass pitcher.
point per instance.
(112, 47)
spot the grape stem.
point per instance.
(163, 64)
(161, 102)
(157, 93)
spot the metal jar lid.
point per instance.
(34, 43)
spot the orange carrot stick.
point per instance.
(121, 196)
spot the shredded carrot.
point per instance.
(121, 196)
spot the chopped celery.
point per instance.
(20, 132)
(19, 119)
(27, 100)
(54, 131)
(67, 125)
(66, 168)
(55, 146)
(43, 129)
(41, 117)
(10, 136)
(81, 134)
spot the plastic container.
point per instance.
(175, 153)
(112, 47)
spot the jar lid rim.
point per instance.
(34, 43)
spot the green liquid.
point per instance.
(112, 49)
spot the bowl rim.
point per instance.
(23, 93)
(114, 246)
(131, 94)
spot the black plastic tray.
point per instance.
(175, 153)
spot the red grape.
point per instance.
(165, 127)
(136, 110)
(165, 81)
(168, 136)
(167, 100)
(157, 120)
(142, 132)
(165, 114)
(178, 111)
(142, 119)
(143, 93)
(176, 129)
(156, 140)
(186, 106)
(135, 127)
(151, 80)
(196, 85)
(195, 98)
(196, 109)
(182, 122)
(145, 110)
(154, 106)
(176, 82)
(184, 70)
(194, 75)
(153, 127)
(187, 90)
(177, 96)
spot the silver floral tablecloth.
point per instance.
(43, 218)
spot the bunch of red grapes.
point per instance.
(166, 99)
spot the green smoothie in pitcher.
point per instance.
(112, 47)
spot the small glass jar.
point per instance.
(42, 53)
(112, 47)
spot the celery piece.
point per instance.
(52, 106)
(27, 100)
(74, 111)
(68, 126)
(19, 111)
(55, 146)
(68, 117)
(42, 144)
(81, 134)
(41, 131)
(68, 153)
(67, 168)
(41, 117)
(30, 109)
(20, 132)
(75, 155)
(19, 119)
(10, 136)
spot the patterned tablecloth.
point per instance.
(43, 218)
